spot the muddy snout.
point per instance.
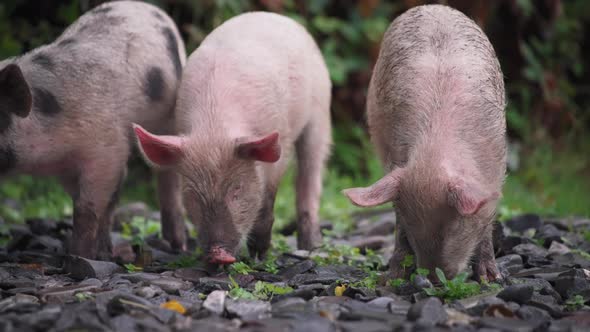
(220, 256)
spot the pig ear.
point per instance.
(159, 150)
(15, 94)
(467, 197)
(382, 191)
(265, 149)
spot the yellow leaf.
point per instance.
(174, 306)
(339, 290)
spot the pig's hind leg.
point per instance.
(313, 147)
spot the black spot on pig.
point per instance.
(158, 15)
(45, 102)
(5, 122)
(15, 94)
(172, 45)
(7, 159)
(66, 42)
(154, 84)
(43, 60)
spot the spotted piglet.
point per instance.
(66, 110)
(435, 109)
(256, 89)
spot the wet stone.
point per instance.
(148, 292)
(63, 294)
(517, 293)
(534, 314)
(421, 282)
(13, 301)
(208, 285)
(297, 268)
(247, 309)
(558, 248)
(215, 302)
(80, 268)
(46, 243)
(506, 324)
(483, 304)
(549, 234)
(40, 226)
(510, 263)
(572, 282)
(374, 242)
(190, 274)
(540, 286)
(547, 303)
(529, 249)
(523, 222)
(428, 311)
(384, 226)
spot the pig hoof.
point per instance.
(220, 256)
(488, 271)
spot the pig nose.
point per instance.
(218, 255)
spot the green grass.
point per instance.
(550, 182)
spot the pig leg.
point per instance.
(484, 265)
(260, 236)
(402, 249)
(103, 240)
(97, 185)
(312, 151)
(170, 197)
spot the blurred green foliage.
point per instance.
(542, 49)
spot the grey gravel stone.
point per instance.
(517, 293)
(215, 302)
(428, 311)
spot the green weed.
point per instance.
(132, 268)
(575, 303)
(454, 289)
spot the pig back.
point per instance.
(119, 63)
(256, 73)
(437, 81)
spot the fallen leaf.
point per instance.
(174, 306)
(339, 290)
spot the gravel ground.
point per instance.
(545, 264)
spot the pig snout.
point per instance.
(218, 255)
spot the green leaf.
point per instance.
(441, 275)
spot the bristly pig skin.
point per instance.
(66, 110)
(255, 92)
(436, 114)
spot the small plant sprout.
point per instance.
(395, 283)
(454, 289)
(131, 268)
(575, 303)
(408, 262)
(240, 268)
(419, 272)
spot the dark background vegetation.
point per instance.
(543, 49)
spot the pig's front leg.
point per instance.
(94, 199)
(312, 151)
(260, 235)
(170, 197)
(484, 263)
(402, 249)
